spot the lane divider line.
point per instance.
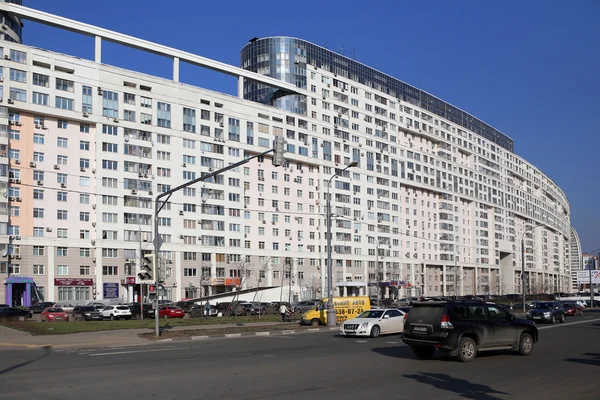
(568, 323)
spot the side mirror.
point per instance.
(317, 308)
(386, 316)
(512, 317)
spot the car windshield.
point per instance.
(122, 308)
(87, 308)
(568, 305)
(55, 310)
(370, 314)
(543, 306)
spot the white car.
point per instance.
(116, 312)
(374, 322)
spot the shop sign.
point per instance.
(110, 290)
(73, 282)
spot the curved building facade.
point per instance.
(576, 257)
(11, 25)
(477, 198)
(437, 205)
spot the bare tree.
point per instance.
(262, 272)
(243, 267)
(314, 284)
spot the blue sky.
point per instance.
(528, 68)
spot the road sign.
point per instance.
(583, 277)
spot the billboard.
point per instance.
(583, 277)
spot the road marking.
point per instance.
(263, 333)
(233, 334)
(199, 337)
(361, 341)
(313, 330)
(392, 342)
(288, 332)
(135, 351)
(569, 323)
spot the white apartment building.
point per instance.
(432, 207)
(576, 259)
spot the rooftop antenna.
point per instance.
(325, 45)
(353, 54)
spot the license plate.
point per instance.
(349, 330)
(537, 317)
(419, 329)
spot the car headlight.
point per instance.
(546, 314)
(87, 313)
(364, 326)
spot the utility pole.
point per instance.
(278, 160)
(523, 283)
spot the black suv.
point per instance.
(86, 313)
(462, 328)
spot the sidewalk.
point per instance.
(10, 338)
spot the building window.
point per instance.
(18, 76)
(189, 120)
(190, 272)
(84, 145)
(61, 160)
(84, 252)
(62, 124)
(110, 253)
(61, 233)
(61, 214)
(84, 198)
(84, 270)
(163, 117)
(41, 80)
(38, 213)
(18, 94)
(110, 270)
(65, 85)
(62, 142)
(86, 99)
(84, 163)
(39, 269)
(61, 196)
(129, 98)
(41, 99)
(18, 56)
(38, 138)
(73, 293)
(110, 104)
(38, 231)
(84, 216)
(84, 128)
(63, 103)
(129, 115)
(62, 270)
(39, 250)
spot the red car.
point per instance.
(51, 314)
(573, 309)
(170, 312)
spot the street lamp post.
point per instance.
(523, 288)
(331, 320)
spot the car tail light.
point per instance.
(446, 324)
(405, 317)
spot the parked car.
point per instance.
(15, 314)
(135, 310)
(374, 322)
(170, 312)
(39, 307)
(186, 305)
(52, 314)
(251, 309)
(199, 311)
(67, 307)
(230, 308)
(572, 309)
(547, 311)
(116, 312)
(86, 313)
(3, 305)
(464, 328)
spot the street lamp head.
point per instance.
(353, 164)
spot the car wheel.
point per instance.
(315, 322)
(21, 318)
(166, 316)
(375, 331)
(525, 344)
(112, 317)
(553, 320)
(562, 318)
(423, 352)
(467, 350)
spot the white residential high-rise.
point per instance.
(437, 205)
(576, 258)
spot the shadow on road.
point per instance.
(395, 351)
(47, 351)
(461, 387)
(593, 360)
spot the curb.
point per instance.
(249, 334)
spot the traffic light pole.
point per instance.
(159, 203)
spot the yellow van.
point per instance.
(345, 308)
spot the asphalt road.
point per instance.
(565, 364)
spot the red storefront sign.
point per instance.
(232, 281)
(130, 280)
(73, 282)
